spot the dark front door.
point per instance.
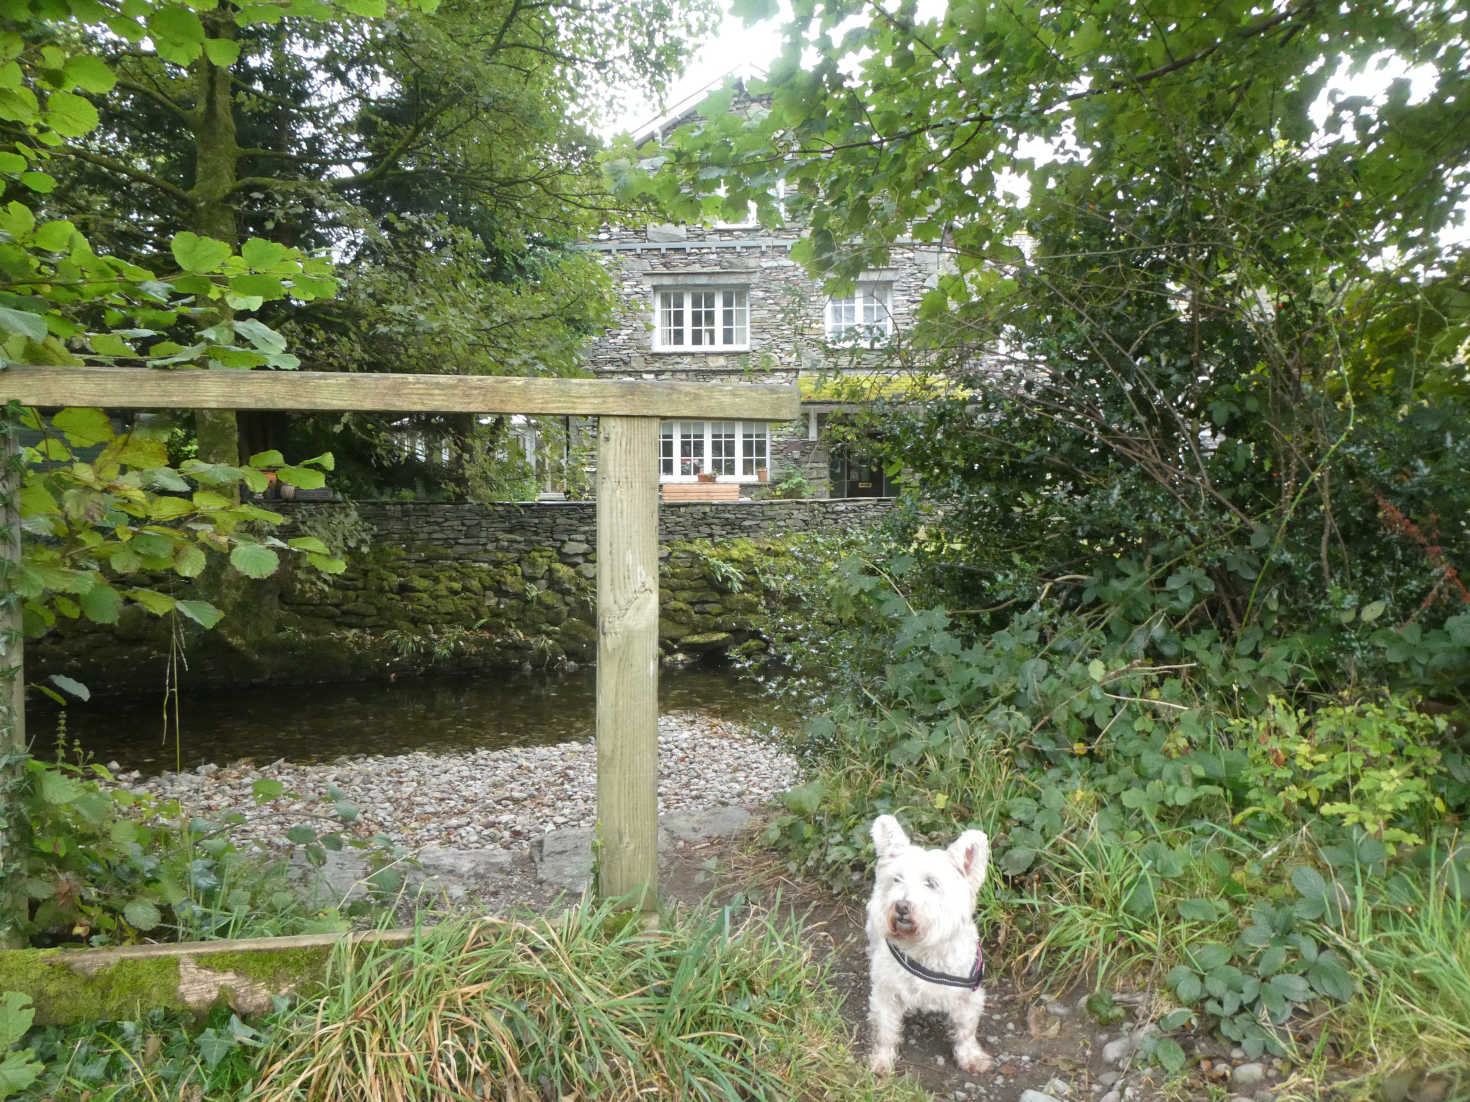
(858, 476)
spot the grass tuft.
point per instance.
(571, 1006)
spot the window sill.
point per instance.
(702, 349)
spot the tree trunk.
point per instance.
(216, 166)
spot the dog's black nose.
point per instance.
(901, 908)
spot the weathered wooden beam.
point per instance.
(627, 660)
(145, 388)
(119, 984)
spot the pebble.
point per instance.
(1248, 1075)
(478, 798)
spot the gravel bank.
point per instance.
(480, 798)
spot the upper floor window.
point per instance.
(863, 317)
(704, 319)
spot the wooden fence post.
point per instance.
(627, 660)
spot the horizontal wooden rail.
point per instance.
(148, 388)
(120, 983)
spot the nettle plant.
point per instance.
(104, 507)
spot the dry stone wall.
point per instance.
(457, 588)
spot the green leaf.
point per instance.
(1096, 670)
(369, 9)
(176, 26)
(83, 426)
(23, 322)
(201, 612)
(266, 789)
(42, 182)
(57, 789)
(306, 478)
(88, 73)
(1198, 910)
(262, 336)
(221, 52)
(159, 604)
(101, 604)
(189, 561)
(198, 254)
(1170, 1055)
(70, 115)
(1308, 881)
(301, 835)
(214, 1046)
(55, 237)
(18, 1067)
(1209, 956)
(1272, 960)
(142, 914)
(253, 560)
(267, 459)
(309, 543)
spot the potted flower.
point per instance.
(762, 474)
(706, 476)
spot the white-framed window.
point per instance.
(732, 450)
(863, 317)
(702, 319)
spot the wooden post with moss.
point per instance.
(627, 525)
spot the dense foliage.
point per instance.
(1199, 290)
(1175, 608)
(439, 153)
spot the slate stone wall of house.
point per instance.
(786, 320)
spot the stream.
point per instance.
(319, 723)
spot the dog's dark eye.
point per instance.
(932, 884)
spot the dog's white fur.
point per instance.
(924, 902)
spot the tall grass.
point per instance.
(582, 1005)
(1411, 946)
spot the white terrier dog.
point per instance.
(923, 949)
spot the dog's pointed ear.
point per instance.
(888, 837)
(971, 853)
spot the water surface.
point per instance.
(323, 722)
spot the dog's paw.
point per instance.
(974, 1061)
(881, 1063)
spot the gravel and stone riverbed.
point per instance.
(480, 798)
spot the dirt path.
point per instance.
(1045, 1044)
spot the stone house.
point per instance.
(725, 302)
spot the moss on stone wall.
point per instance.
(444, 610)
